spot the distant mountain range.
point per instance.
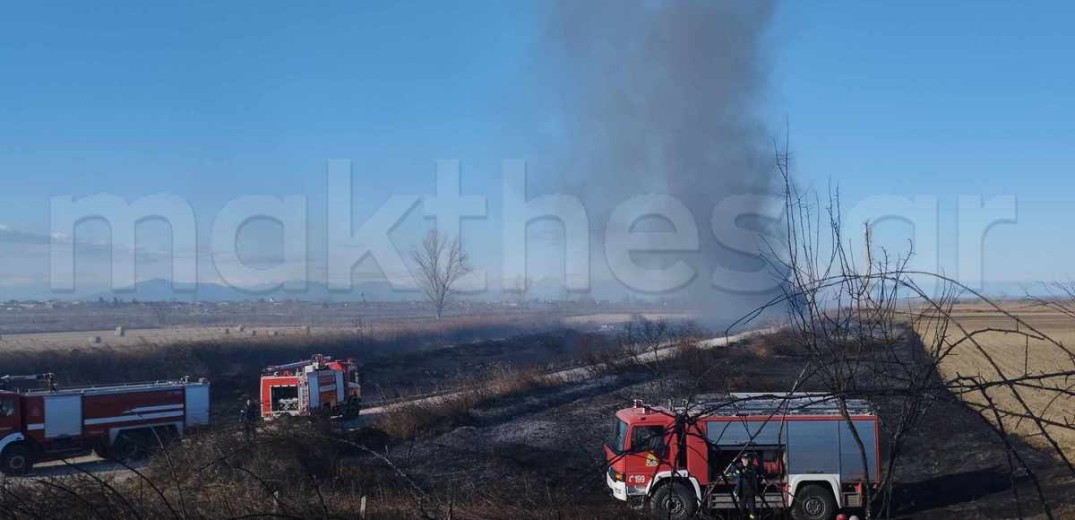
(164, 290)
(548, 288)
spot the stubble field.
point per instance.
(993, 346)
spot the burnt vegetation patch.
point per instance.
(511, 444)
(398, 360)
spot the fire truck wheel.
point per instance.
(16, 460)
(103, 450)
(813, 502)
(673, 501)
(126, 448)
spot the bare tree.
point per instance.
(441, 263)
(643, 338)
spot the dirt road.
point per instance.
(570, 375)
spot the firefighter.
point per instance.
(746, 477)
(248, 418)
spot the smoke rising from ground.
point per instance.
(664, 97)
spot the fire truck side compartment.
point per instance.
(313, 391)
(63, 415)
(809, 442)
(196, 404)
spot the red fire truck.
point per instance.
(314, 386)
(122, 422)
(805, 453)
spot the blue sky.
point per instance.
(945, 97)
(212, 101)
(940, 99)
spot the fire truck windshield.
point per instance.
(7, 406)
(618, 435)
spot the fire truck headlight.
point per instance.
(615, 476)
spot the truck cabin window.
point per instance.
(7, 406)
(648, 439)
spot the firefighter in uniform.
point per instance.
(746, 477)
(248, 418)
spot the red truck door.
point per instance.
(647, 453)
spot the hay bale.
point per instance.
(95, 340)
(121, 332)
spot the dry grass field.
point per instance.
(999, 351)
(161, 336)
(154, 336)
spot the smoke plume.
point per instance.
(664, 97)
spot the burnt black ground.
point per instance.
(548, 452)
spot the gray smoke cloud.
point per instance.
(665, 97)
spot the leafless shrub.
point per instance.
(642, 338)
(856, 327)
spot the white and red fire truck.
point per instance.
(122, 421)
(805, 453)
(314, 386)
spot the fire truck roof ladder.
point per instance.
(48, 379)
(797, 403)
(316, 359)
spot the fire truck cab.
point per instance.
(122, 422)
(805, 453)
(319, 385)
